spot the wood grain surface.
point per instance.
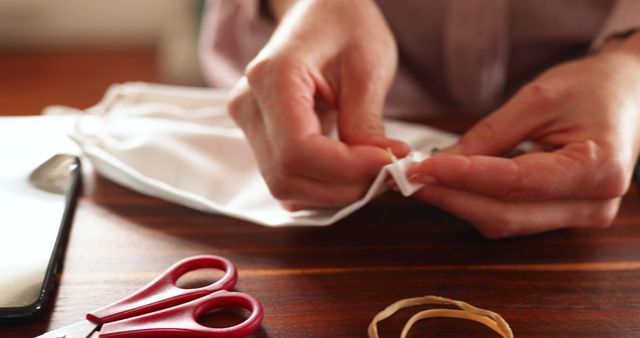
(331, 281)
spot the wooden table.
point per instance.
(330, 281)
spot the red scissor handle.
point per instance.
(182, 320)
(162, 292)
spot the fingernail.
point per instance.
(422, 178)
(400, 149)
(454, 149)
(390, 183)
(390, 157)
(413, 170)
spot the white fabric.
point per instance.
(178, 144)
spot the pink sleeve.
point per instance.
(232, 34)
(624, 18)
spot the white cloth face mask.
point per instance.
(179, 144)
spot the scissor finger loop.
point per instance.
(194, 263)
(226, 299)
(182, 320)
(162, 292)
(162, 309)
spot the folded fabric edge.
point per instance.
(117, 171)
(143, 91)
(123, 174)
(398, 170)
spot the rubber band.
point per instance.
(465, 311)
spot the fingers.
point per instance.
(300, 193)
(399, 148)
(579, 183)
(308, 171)
(363, 89)
(579, 170)
(495, 218)
(297, 159)
(284, 92)
(500, 132)
(362, 94)
(328, 160)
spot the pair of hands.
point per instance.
(322, 68)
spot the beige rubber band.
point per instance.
(466, 311)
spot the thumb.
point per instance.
(501, 131)
(360, 119)
(360, 110)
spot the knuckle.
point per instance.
(288, 162)
(501, 226)
(518, 192)
(524, 189)
(543, 93)
(484, 131)
(279, 175)
(292, 206)
(588, 152)
(614, 182)
(606, 171)
(517, 189)
(493, 232)
(234, 106)
(241, 102)
(521, 186)
(256, 71)
(614, 174)
(279, 188)
(276, 69)
(369, 130)
(603, 216)
(350, 195)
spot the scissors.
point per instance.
(162, 309)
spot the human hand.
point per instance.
(584, 114)
(328, 62)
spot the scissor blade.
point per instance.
(81, 329)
